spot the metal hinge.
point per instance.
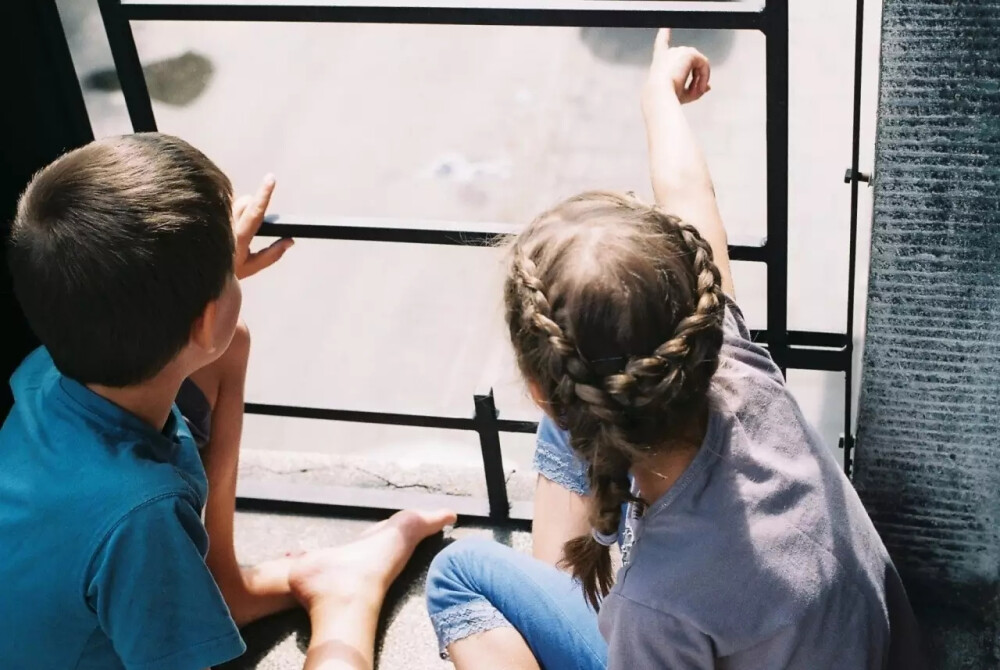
(849, 175)
(847, 444)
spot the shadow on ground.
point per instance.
(176, 81)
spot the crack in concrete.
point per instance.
(385, 480)
(392, 484)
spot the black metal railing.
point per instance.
(790, 349)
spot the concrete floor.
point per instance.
(406, 639)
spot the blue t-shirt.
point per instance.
(103, 548)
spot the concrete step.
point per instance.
(260, 468)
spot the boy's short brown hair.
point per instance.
(116, 249)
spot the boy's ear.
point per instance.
(203, 329)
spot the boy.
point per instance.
(125, 256)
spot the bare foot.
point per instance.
(366, 567)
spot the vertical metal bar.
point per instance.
(859, 27)
(61, 61)
(126, 56)
(489, 441)
(776, 65)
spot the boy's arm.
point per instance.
(682, 184)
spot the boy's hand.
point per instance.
(248, 215)
(683, 72)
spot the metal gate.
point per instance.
(808, 350)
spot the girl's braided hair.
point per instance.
(615, 313)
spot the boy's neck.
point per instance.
(151, 400)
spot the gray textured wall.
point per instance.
(928, 458)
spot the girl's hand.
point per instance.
(682, 72)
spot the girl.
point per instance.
(743, 544)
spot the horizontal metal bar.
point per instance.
(599, 13)
(313, 499)
(811, 350)
(745, 248)
(750, 253)
(806, 338)
(384, 418)
(511, 426)
(356, 416)
(801, 356)
(830, 360)
(810, 338)
(390, 230)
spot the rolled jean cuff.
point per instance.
(460, 621)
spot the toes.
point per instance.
(438, 519)
(418, 524)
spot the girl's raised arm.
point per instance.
(682, 184)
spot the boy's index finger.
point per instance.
(263, 197)
(253, 215)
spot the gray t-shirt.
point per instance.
(761, 555)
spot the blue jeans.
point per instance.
(476, 585)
